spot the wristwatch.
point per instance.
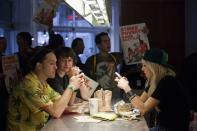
(130, 95)
(70, 86)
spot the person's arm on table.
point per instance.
(149, 102)
(58, 107)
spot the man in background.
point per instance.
(24, 41)
(102, 66)
(78, 48)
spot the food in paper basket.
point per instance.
(121, 106)
(125, 110)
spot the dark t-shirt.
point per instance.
(174, 110)
(102, 69)
(59, 84)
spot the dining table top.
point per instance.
(68, 122)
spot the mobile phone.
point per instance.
(118, 75)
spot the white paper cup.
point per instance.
(93, 105)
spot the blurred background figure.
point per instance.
(3, 45)
(25, 51)
(55, 41)
(189, 79)
(78, 48)
(3, 91)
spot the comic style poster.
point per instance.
(46, 12)
(11, 70)
(134, 42)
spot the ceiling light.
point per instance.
(91, 2)
(101, 4)
(94, 11)
(101, 21)
(98, 15)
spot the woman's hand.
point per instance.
(123, 83)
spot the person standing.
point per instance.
(78, 48)
(102, 66)
(55, 41)
(24, 41)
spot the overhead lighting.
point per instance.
(101, 4)
(98, 15)
(101, 21)
(91, 10)
(91, 2)
(94, 7)
(66, 37)
(97, 11)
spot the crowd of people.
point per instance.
(54, 78)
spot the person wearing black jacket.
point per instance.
(163, 93)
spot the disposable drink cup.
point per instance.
(93, 105)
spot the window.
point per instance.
(66, 16)
(70, 25)
(1, 32)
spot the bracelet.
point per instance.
(71, 87)
(130, 95)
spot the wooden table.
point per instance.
(69, 123)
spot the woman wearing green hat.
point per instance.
(163, 93)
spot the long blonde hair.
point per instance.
(158, 72)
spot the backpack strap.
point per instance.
(94, 65)
(114, 58)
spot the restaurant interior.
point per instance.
(171, 25)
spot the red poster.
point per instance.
(134, 42)
(11, 70)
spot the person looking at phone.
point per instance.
(66, 69)
(33, 100)
(164, 93)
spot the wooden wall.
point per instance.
(166, 22)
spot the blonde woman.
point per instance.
(164, 93)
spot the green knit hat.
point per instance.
(157, 56)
